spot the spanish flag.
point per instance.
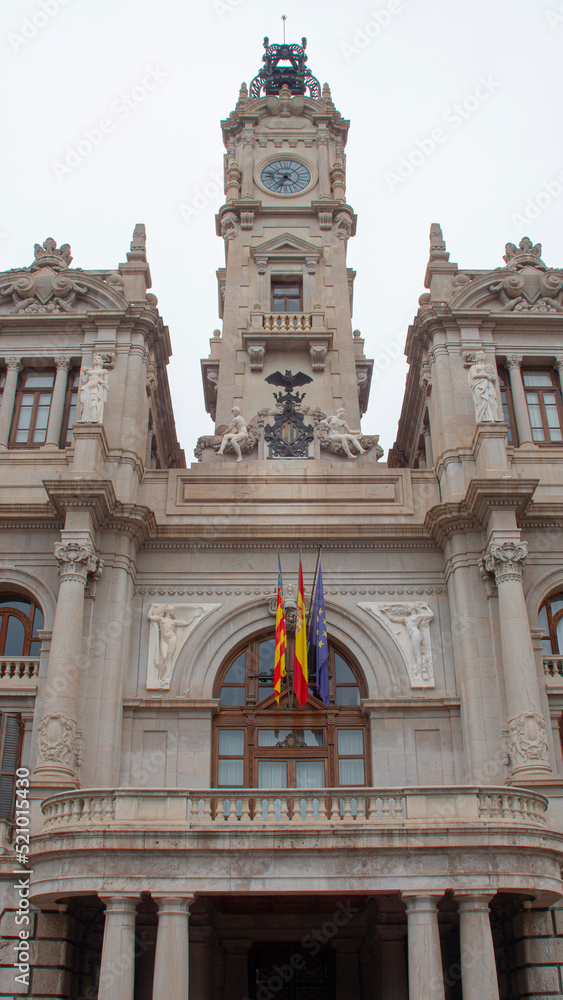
(281, 638)
(300, 672)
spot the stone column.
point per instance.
(57, 746)
(527, 744)
(117, 971)
(58, 402)
(171, 964)
(558, 364)
(13, 366)
(513, 363)
(478, 969)
(428, 447)
(426, 977)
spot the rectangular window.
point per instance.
(543, 396)
(351, 757)
(230, 773)
(32, 408)
(287, 295)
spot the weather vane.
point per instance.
(284, 19)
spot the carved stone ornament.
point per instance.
(289, 436)
(529, 286)
(58, 741)
(236, 435)
(291, 742)
(256, 354)
(343, 226)
(318, 353)
(247, 445)
(43, 292)
(290, 607)
(246, 220)
(506, 560)
(76, 560)
(527, 742)
(229, 226)
(325, 220)
(409, 622)
(170, 626)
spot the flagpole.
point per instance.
(314, 587)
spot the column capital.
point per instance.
(513, 361)
(506, 560)
(62, 361)
(76, 560)
(13, 364)
(421, 902)
(472, 900)
(179, 905)
(120, 903)
(558, 363)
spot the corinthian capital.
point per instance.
(506, 560)
(76, 560)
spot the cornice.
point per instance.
(98, 497)
(472, 513)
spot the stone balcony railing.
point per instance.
(298, 322)
(224, 810)
(23, 668)
(553, 669)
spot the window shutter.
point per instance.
(11, 750)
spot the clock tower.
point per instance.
(285, 293)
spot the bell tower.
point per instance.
(285, 293)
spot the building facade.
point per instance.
(191, 835)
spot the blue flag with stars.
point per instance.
(318, 639)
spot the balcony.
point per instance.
(220, 811)
(22, 669)
(288, 322)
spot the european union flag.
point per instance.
(318, 639)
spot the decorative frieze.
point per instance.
(268, 591)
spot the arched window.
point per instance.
(20, 619)
(550, 619)
(260, 744)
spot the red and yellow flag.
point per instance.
(281, 639)
(300, 672)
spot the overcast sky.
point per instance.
(464, 92)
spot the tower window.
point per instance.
(544, 405)
(287, 296)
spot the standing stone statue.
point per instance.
(340, 432)
(482, 379)
(236, 432)
(93, 391)
(416, 618)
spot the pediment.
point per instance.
(48, 291)
(524, 289)
(286, 245)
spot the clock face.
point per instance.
(285, 176)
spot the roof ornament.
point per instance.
(284, 66)
(47, 255)
(524, 253)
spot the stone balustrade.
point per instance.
(287, 322)
(553, 667)
(19, 667)
(368, 808)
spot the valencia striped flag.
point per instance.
(281, 639)
(300, 672)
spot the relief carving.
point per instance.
(412, 636)
(167, 635)
(482, 378)
(58, 741)
(76, 560)
(506, 560)
(527, 743)
(93, 391)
